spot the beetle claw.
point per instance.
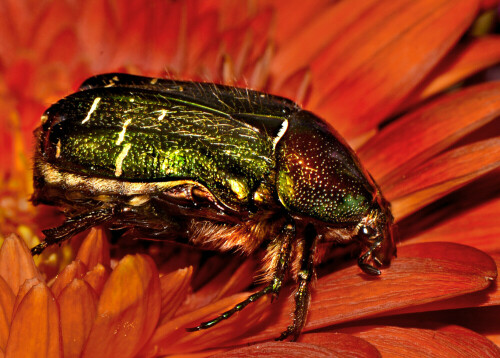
(368, 255)
(369, 269)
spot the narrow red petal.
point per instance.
(35, 329)
(240, 277)
(78, 305)
(174, 288)
(441, 175)
(477, 227)
(383, 63)
(7, 300)
(75, 269)
(128, 309)
(94, 249)
(422, 273)
(489, 4)
(415, 342)
(16, 263)
(172, 338)
(343, 345)
(290, 23)
(485, 298)
(312, 37)
(462, 62)
(415, 138)
(48, 27)
(476, 262)
(279, 350)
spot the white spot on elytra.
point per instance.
(281, 133)
(162, 115)
(121, 136)
(92, 109)
(58, 149)
(120, 158)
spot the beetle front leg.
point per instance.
(303, 294)
(71, 227)
(284, 240)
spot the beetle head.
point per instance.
(376, 235)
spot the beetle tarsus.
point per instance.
(237, 308)
(38, 249)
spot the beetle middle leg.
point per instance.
(303, 294)
(72, 226)
(284, 240)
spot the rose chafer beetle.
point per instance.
(221, 167)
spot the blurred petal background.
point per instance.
(412, 85)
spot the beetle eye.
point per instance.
(366, 232)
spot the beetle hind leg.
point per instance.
(71, 227)
(284, 240)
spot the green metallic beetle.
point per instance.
(219, 167)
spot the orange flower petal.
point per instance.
(23, 291)
(477, 227)
(97, 278)
(78, 305)
(422, 273)
(48, 29)
(240, 274)
(35, 329)
(94, 249)
(7, 300)
(343, 345)
(484, 298)
(489, 4)
(475, 262)
(441, 175)
(75, 269)
(330, 22)
(172, 338)
(366, 82)
(418, 136)
(478, 319)
(174, 288)
(462, 62)
(16, 263)
(280, 349)
(290, 22)
(128, 309)
(415, 342)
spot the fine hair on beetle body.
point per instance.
(218, 167)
